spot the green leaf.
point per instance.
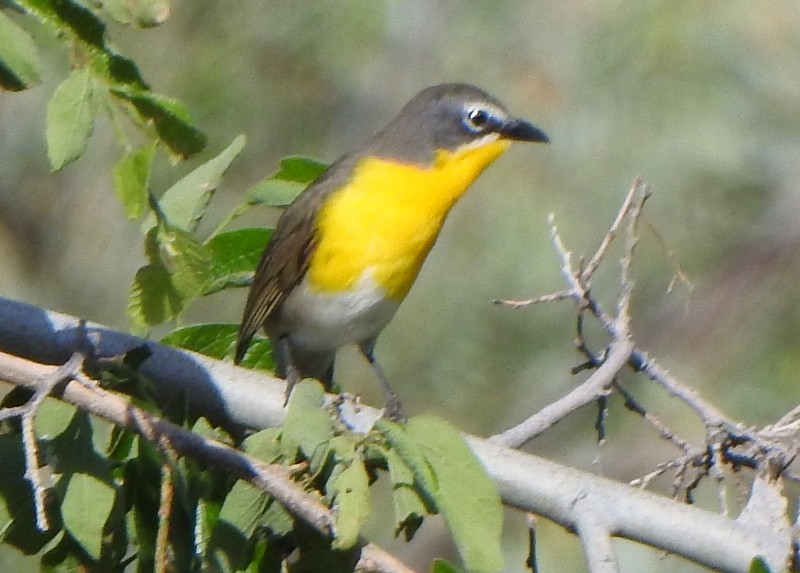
(87, 504)
(350, 492)
(132, 180)
(219, 341)
(70, 119)
(243, 507)
(153, 298)
(234, 257)
(409, 508)
(186, 259)
(273, 192)
(411, 454)
(172, 121)
(186, 201)
(62, 555)
(264, 445)
(293, 176)
(299, 169)
(442, 566)
(19, 60)
(52, 417)
(307, 425)
(758, 565)
(466, 496)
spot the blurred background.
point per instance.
(702, 99)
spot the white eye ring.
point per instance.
(477, 119)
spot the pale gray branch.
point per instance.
(595, 386)
(247, 399)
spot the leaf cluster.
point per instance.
(116, 500)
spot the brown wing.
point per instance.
(286, 258)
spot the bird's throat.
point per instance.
(384, 222)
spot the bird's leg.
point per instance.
(291, 374)
(394, 409)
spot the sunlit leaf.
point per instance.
(466, 496)
(70, 119)
(132, 180)
(185, 202)
(350, 492)
(219, 341)
(234, 257)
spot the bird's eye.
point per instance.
(477, 119)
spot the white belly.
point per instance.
(323, 321)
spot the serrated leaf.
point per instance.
(299, 169)
(219, 341)
(234, 256)
(307, 425)
(19, 60)
(466, 496)
(86, 506)
(132, 180)
(170, 117)
(70, 119)
(153, 298)
(350, 492)
(409, 508)
(186, 201)
(186, 259)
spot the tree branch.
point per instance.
(243, 398)
(274, 480)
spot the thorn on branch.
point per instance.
(531, 562)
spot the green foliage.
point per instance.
(70, 118)
(280, 189)
(102, 79)
(442, 566)
(19, 59)
(449, 475)
(219, 341)
(758, 565)
(132, 180)
(108, 509)
(234, 255)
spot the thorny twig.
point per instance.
(26, 414)
(727, 443)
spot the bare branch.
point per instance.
(597, 258)
(552, 297)
(594, 387)
(596, 541)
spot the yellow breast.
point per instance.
(386, 219)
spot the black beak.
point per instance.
(521, 130)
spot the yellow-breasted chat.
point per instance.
(345, 253)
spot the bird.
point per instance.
(345, 253)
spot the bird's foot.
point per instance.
(394, 410)
(292, 378)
